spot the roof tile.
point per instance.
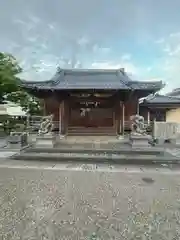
(161, 99)
(92, 79)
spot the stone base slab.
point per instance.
(139, 141)
(101, 158)
(177, 141)
(45, 141)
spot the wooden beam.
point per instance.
(122, 124)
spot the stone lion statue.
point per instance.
(138, 126)
(46, 125)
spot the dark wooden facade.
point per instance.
(104, 111)
(91, 101)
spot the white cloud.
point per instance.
(126, 57)
(160, 41)
(175, 51)
(124, 62)
(34, 19)
(105, 49)
(167, 49)
(52, 26)
(169, 64)
(149, 69)
(19, 21)
(32, 39)
(97, 49)
(83, 41)
(176, 34)
(129, 67)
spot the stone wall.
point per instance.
(166, 130)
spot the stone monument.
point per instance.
(17, 140)
(45, 136)
(138, 136)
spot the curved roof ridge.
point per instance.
(88, 70)
(160, 99)
(35, 82)
(57, 77)
(124, 78)
(171, 97)
(164, 96)
(174, 92)
(142, 81)
(93, 79)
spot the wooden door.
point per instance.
(100, 117)
(77, 119)
(97, 117)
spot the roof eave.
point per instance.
(166, 104)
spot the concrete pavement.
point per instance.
(46, 201)
(51, 200)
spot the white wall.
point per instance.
(173, 115)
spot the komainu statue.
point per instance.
(138, 127)
(46, 125)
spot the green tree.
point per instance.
(9, 82)
(29, 104)
(10, 87)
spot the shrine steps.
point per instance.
(83, 131)
(124, 155)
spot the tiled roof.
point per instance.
(92, 79)
(174, 93)
(161, 99)
(146, 85)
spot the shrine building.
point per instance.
(91, 101)
(164, 108)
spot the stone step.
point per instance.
(92, 128)
(96, 151)
(88, 146)
(90, 133)
(96, 158)
(84, 143)
(72, 131)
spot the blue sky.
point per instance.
(143, 36)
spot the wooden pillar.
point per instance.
(148, 117)
(119, 118)
(122, 124)
(66, 116)
(137, 107)
(60, 120)
(44, 107)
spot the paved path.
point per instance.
(2, 142)
(114, 168)
(42, 201)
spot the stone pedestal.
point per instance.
(139, 141)
(17, 140)
(61, 137)
(177, 141)
(45, 141)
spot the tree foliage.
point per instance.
(29, 104)
(9, 68)
(10, 87)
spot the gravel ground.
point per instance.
(55, 204)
